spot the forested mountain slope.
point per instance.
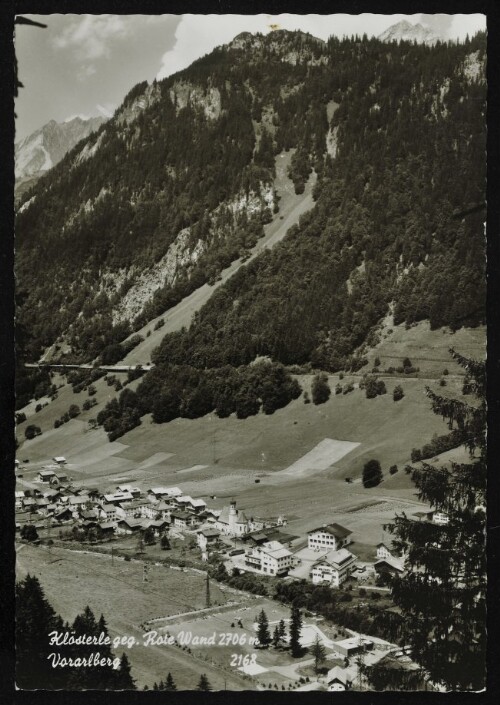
(180, 182)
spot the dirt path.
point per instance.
(292, 206)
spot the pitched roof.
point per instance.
(340, 532)
(275, 549)
(391, 562)
(336, 558)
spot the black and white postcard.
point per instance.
(250, 272)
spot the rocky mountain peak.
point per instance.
(408, 32)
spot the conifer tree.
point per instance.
(124, 680)
(443, 593)
(169, 683)
(35, 619)
(203, 683)
(276, 637)
(263, 634)
(318, 652)
(282, 629)
(295, 628)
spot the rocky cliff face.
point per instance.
(44, 148)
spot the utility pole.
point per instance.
(360, 663)
(207, 592)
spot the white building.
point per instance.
(207, 536)
(340, 679)
(329, 536)
(440, 518)
(232, 521)
(334, 568)
(270, 558)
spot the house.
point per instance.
(339, 679)
(189, 504)
(118, 497)
(63, 514)
(51, 494)
(90, 515)
(45, 475)
(78, 501)
(19, 496)
(157, 493)
(182, 520)
(134, 491)
(207, 536)
(128, 526)
(270, 558)
(159, 526)
(440, 518)
(61, 476)
(60, 460)
(139, 508)
(334, 568)
(390, 566)
(42, 504)
(352, 646)
(385, 553)
(106, 529)
(232, 521)
(111, 512)
(163, 509)
(329, 536)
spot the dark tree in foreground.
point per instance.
(372, 474)
(203, 683)
(124, 680)
(35, 619)
(442, 596)
(295, 629)
(318, 652)
(263, 634)
(169, 683)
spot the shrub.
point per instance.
(320, 388)
(31, 431)
(445, 371)
(393, 469)
(398, 393)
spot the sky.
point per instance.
(85, 64)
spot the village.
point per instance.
(54, 511)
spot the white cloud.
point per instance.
(90, 35)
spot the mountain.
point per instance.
(182, 186)
(45, 147)
(407, 32)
